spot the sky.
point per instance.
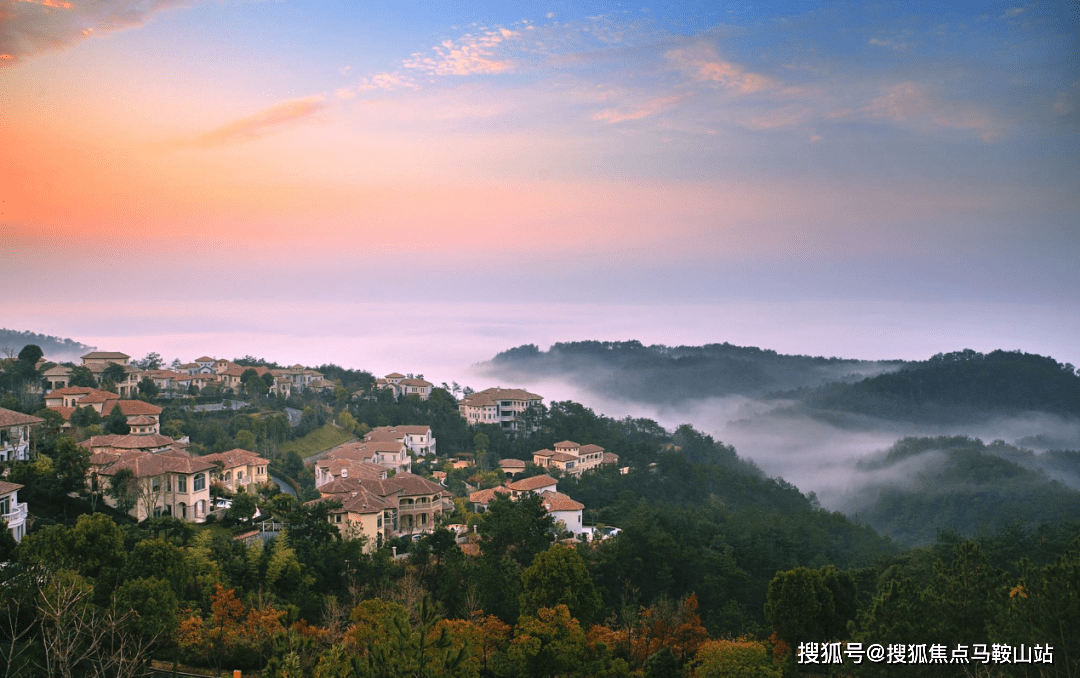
(429, 183)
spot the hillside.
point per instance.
(663, 375)
(957, 386)
(954, 483)
(55, 348)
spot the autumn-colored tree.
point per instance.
(548, 644)
(234, 634)
(740, 658)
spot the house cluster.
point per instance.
(202, 372)
(166, 479)
(501, 406)
(142, 417)
(565, 511)
(569, 457)
(205, 371)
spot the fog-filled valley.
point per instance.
(962, 441)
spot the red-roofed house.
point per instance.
(238, 468)
(501, 406)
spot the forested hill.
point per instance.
(663, 374)
(964, 486)
(55, 348)
(954, 386)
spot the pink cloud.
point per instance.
(261, 124)
(648, 109)
(704, 65)
(469, 55)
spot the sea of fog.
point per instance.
(443, 341)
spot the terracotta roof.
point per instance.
(6, 487)
(543, 453)
(148, 465)
(13, 418)
(591, 449)
(567, 443)
(609, 458)
(339, 486)
(395, 375)
(106, 355)
(57, 370)
(490, 396)
(363, 502)
(131, 408)
(564, 457)
(71, 390)
(486, 496)
(513, 463)
(141, 420)
(416, 382)
(205, 359)
(128, 442)
(64, 412)
(408, 484)
(530, 484)
(352, 468)
(98, 397)
(557, 501)
(236, 457)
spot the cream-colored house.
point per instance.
(501, 406)
(11, 511)
(168, 482)
(238, 468)
(569, 457)
(418, 438)
(15, 434)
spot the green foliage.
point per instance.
(318, 440)
(116, 422)
(559, 576)
(735, 659)
(82, 376)
(548, 644)
(243, 507)
(810, 605)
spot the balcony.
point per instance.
(16, 516)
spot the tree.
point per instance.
(31, 354)
(247, 374)
(243, 507)
(116, 423)
(82, 376)
(548, 644)
(735, 658)
(256, 387)
(245, 440)
(85, 416)
(71, 464)
(124, 489)
(152, 361)
(148, 388)
(114, 372)
(559, 576)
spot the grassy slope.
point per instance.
(319, 440)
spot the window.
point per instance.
(199, 482)
(181, 484)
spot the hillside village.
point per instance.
(238, 515)
(372, 477)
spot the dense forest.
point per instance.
(718, 569)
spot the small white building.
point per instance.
(11, 511)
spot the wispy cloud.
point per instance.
(468, 55)
(703, 64)
(909, 104)
(29, 27)
(387, 82)
(261, 124)
(645, 110)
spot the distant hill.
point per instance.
(955, 386)
(662, 374)
(922, 485)
(55, 348)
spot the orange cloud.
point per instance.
(262, 123)
(650, 108)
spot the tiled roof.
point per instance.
(98, 397)
(408, 484)
(105, 355)
(415, 382)
(364, 502)
(339, 486)
(72, 390)
(514, 463)
(486, 496)
(395, 375)
(58, 370)
(557, 501)
(141, 420)
(564, 457)
(64, 412)
(148, 465)
(205, 359)
(6, 487)
(566, 443)
(131, 408)
(236, 457)
(609, 458)
(530, 484)
(490, 396)
(591, 449)
(128, 442)
(542, 453)
(13, 418)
